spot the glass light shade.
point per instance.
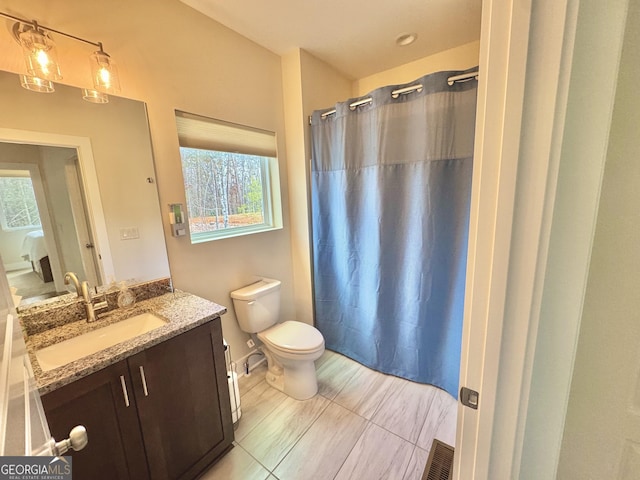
(104, 72)
(40, 55)
(36, 84)
(94, 96)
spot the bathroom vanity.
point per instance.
(155, 405)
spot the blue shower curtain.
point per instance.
(391, 188)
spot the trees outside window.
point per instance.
(18, 203)
(224, 190)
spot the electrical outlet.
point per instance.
(250, 343)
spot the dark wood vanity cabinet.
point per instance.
(178, 418)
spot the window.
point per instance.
(230, 177)
(18, 208)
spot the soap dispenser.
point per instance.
(126, 298)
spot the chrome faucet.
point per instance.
(82, 289)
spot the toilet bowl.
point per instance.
(290, 347)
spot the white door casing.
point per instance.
(505, 340)
(80, 219)
(502, 66)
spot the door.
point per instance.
(83, 233)
(23, 427)
(178, 388)
(104, 404)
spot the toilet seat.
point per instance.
(293, 337)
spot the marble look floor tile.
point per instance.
(447, 430)
(326, 355)
(246, 383)
(334, 373)
(237, 464)
(404, 410)
(322, 450)
(440, 422)
(273, 437)
(378, 454)
(417, 464)
(256, 405)
(364, 391)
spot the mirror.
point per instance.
(90, 167)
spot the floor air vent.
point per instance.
(440, 463)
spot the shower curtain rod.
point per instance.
(403, 91)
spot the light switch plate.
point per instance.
(129, 233)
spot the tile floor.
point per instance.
(361, 425)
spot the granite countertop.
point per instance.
(183, 311)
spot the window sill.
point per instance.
(209, 237)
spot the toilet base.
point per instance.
(296, 379)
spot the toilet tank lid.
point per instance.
(251, 292)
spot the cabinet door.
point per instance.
(98, 401)
(183, 402)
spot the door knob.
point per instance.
(77, 440)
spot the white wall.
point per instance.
(52, 167)
(596, 51)
(605, 377)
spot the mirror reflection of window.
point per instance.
(22, 232)
(18, 202)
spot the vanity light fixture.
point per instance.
(39, 50)
(36, 84)
(42, 64)
(104, 72)
(94, 96)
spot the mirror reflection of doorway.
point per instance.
(43, 225)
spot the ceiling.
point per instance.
(356, 37)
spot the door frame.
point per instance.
(96, 219)
(533, 61)
(81, 220)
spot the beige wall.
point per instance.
(459, 58)
(172, 57)
(309, 84)
(176, 58)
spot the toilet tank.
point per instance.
(257, 305)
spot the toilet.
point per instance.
(290, 347)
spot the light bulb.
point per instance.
(40, 54)
(105, 73)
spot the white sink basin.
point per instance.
(59, 354)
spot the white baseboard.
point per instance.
(240, 362)
(16, 266)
